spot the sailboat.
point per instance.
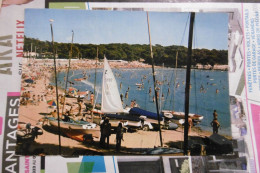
(111, 104)
(181, 115)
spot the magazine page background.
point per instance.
(11, 48)
(252, 72)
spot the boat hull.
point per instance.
(76, 131)
(181, 115)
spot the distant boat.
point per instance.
(139, 84)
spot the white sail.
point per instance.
(111, 102)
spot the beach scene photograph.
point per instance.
(124, 83)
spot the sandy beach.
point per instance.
(47, 143)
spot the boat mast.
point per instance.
(155, 91)
(161, 89)
(92, 116)
(187, 87)
(68, 70)
(175, 77)
(55, 75)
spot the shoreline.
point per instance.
(47, 143)
(91, 64)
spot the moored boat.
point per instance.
(181, 115)
(77, 130)
(139, 84)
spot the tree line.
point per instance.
(123, 51)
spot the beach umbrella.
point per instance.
(51, 102)
(28, 80)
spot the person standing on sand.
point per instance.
(78, 99)
(28, 95)
(33, 99)
(215, 114)
(41, 97)
(119, 136)
(62, 100)
(215, 124)
(92, 98)
(102, 137)
(38, 99)
(80, 107)
(107, 132)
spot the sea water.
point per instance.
(208, 91)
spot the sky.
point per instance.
(104, 27)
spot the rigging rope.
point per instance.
(194, 71)
(162, 71)
(175, 77)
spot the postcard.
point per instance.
(108, 99)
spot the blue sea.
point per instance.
(208, 91)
